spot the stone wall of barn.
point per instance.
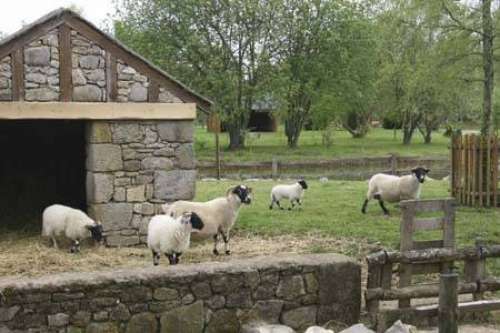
(297, 291)
(134, 167)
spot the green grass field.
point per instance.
(333, 209)
(263, 146)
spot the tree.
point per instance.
(218, 47)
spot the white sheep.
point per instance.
(218, 215)
(393, 188)
(293, 192)
(171, 236)
(73, 223)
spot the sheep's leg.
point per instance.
(291, 203)
(171, 258)
(272, 204)
(278, 203)
(363, 209)
(54, 242)
(225, 238)
(75, 248)
(299, 202)
(216, 239)
(156, 257)
(177, 256)
(381, 203)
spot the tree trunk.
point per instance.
(487, 121)
(428, 136)
(236, 137)
(293, 128)
(407, 135)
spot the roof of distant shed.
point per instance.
(62, 16)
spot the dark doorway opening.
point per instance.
(42, 162)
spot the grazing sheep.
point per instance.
(73, 223)
(218, 215)
(293, 192)
(393, 188)
(171, 236)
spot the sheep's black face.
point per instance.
(303, 184)
(244, 193)
(196, 221)
(96, 231)
(420, 173)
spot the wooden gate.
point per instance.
(474, 170)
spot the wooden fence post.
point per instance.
(394, 164)
(448, 303)
(217, 155)
(274, 168)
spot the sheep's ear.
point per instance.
(427, 170)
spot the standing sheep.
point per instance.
(218, 215)
(171, 236)
(73, 223)
(293, 192)
(393, 188)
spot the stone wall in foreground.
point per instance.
(298, 291)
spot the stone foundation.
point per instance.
(298, 291)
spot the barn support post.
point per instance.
(448, 303)
(217, 155)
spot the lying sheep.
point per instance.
(73, 223)
(293, 192)
(171, 236)
(393, 188)
(218, 215)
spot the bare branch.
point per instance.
(459, 24)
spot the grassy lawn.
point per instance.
(263, 146)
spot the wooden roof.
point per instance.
(70, 20)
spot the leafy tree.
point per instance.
(218, 47)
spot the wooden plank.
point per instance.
(141, 65)
(36, 31)
(476, 306)
(74, 110)
(418, 291)
(65, 64)
(386, 281)
(494, 167)
(17, 75)
(153, 92)
(426, 268)
(480, 172)
(406, 235)
(449, 223)
(111, 77)
(373, 282)
(473, 170)
(488, 171)
(448, 303)
(420, 245)
(424, 206)
(431, 223)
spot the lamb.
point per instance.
(293, 192)
(393, 188)
(218, 215)
(73, 223)
(171, 236)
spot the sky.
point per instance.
(15, 13)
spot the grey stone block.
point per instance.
(58, 320)
(87, 93)
(300, 318)
(102, 328)
(185, 156)
(290, 287)
(78, 77)
(141, 323)
(189, 319)
(104, 157)
(223, 321)
(37, 56)
(113, 216)
(99, 187)
(126, 132)
(98, 132)
(136, 194)
(157, 163)
(174, 185)
(176, 131)
(138, 93)
(89, 62)
(41, 95)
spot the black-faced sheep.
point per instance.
(72, 223)
(218, 215)
(394, 189)
(171, 236)
(293, 192)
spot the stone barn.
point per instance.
(86, 122)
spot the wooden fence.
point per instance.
(340, 168)
(474, 165)
(380, 270)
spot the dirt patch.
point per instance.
(31, 256)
